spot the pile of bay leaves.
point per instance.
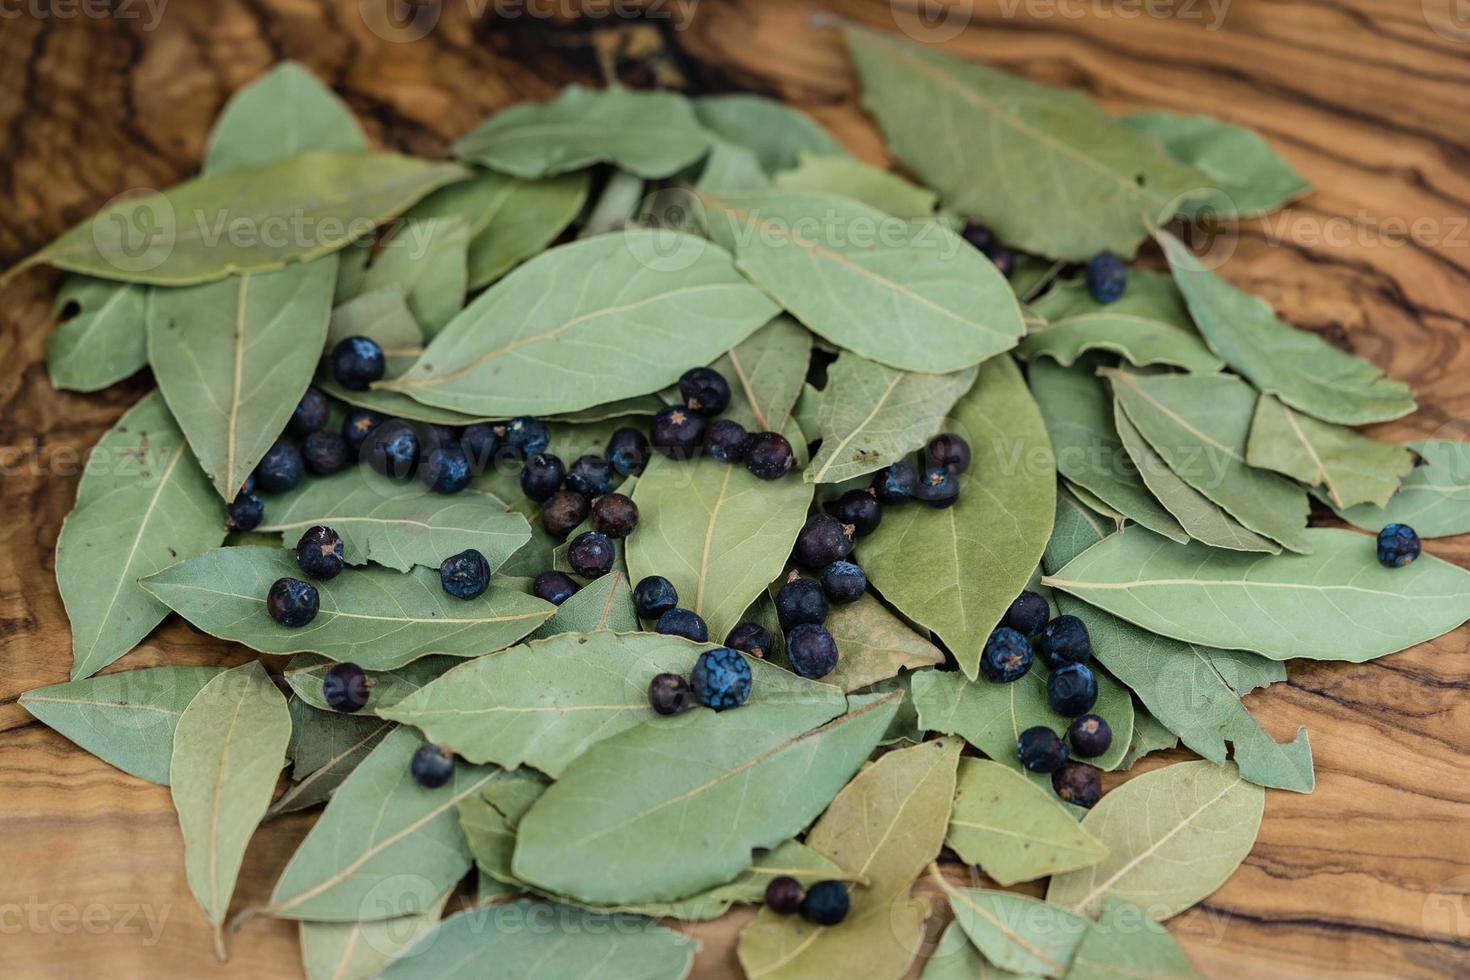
(1146, 465)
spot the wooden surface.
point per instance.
(1369, 876)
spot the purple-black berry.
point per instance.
(725, 440)
(392, 449)
(445, 468)
(245, 512)
(895, 483)
(811, 651)
(1006, 657)
(319, 553)
(524, 436)
(769, 456)
(1398, 545)
(542, 475)
(948, 450)
(356, 362)
(553, 587)
(1064, 640)
(822, 540)
(844, 582)
(325, 452)
(826, 903)
(591, 554)
(669, 694)
(751, 638)
(346, 687)
(1028, 613)
(1078, 783)
(938, 486)
(1071, 689)
(705, 391)
(615, 515)
(357, 425)
(1107, 277)
(292, 602)
(465, 575)
(800, 600)
(721, 679)
(310, 414)
(677, 432)
(480, 443)
(653, 596)
(627, 450)
(860, 509)
(280, 469)
(591, 476)
(783, 895)
(432, 765)
(682, 622)
(1090, 736)
(564, 512)
(1041, 750)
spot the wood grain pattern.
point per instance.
(1368, 877)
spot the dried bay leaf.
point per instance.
(1434, 498)
(876, 188)
(1336, 603)
(1149, 736)
(537, 341)
(874, 644)
(142, 504)
(1125, 942)
(1296, 366)
(605, 603)
(1013, 829)
(956, 958)
(425, 259)
(229, 747)
(233, 358)
(1173, 835)
(955, 571)
(651, 134)
(871, 415)
(103, 340)
(326, 746)
(886, 825)
(1067, 181)
(282, 113)
(719, 534)
(766, 372)
(306, 672)
(375, 617)
(126, 719)
(777, 134)
(360, 950)
(729, 167)
(1350, 468)
(1018, 932)
(763, 771)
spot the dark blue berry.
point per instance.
(310, 414)
(705, 391)
(821, 541)
(860, 510)
(654, 596)
(615, 515)
(627, 450)
(948, 450)
(1003, 259)
(392, 449)
(978, 235)
(720, 678)
(325, 452)
(1006, 657)
(564, 512)
(682, 622)
(725, 440)
(751, 638)
(1398, 545)
(346, 687)
(319, 553)
(280, 469)
(1078, 783)
(1071, 689)
(1041, 750)
(768, 455)
(480, 443)
(445, 468)
(244, 513)
(677, 432)
(292, 602)
(811, 651)
(1107, 277)
(844, 582)
(357, 426)
(1090, 735)
(783, 895)
(938, 486)
(357, 362)
(591, 476)
(525, 436)
(826, 903)
(542, 476)
(1027, 614)
(669, 694)
(432, 766)
(895, 483)
(800, 601)
(591, 554)
(465, 575)
(1064, 640)
(554, 587)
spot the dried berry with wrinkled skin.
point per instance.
(480, 443)
(948, 450)
(356, 427)
(627, 451)
(1071, 689)
(677, 432)
(325, 453)
(591, 476)
(591, 554)
(826, 903)
(280, 469)
(1041, 750)
(720, 678)
(669, 694)
(245, 512)
(346, 688)
(769, 456)
(563, 512)
(357, 362)
(654, 596)
(1028, 613)
(682, 622)
(1064, 640)
(1090, 735)
(554, 587)
(310, 414)
(1107, 277)
(465, 575)
(1006, 657)
(615, 515)
(844, 581)
(978, 235)
(1078, 783)
(319, 552)
(938, 487)
(524, 436)
(292, 602)
(542, 476)
(432, 766)
(445, 468)
(800, 601)
(751, 638)
(811, 651)
(392, 449)
(705, 391)
(725, 440)
(821, 541)
(1398, 545)
(783, 895)
(859, 508)
(895, 483)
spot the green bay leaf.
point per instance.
(103, 338)
(282, 113)
(360, 950)
(605, 603)
(425, 259)
(874, 645)
(306, 672)
(876, 188)
(777, 134)
(956, 958)
(1017, 932)
(1125, 942)
(1149, 736)
(326, 746)
(1350, 468)
(766, 372)
(1434, 498)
